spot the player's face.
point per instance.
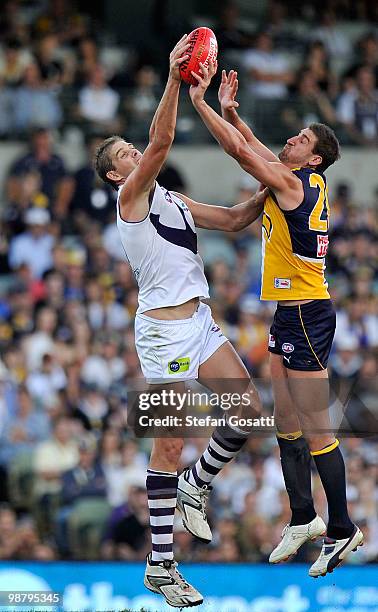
(125, 159)
(298, 150)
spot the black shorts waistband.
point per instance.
(304, 307)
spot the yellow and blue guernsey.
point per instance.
(295, 242)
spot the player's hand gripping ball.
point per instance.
(203, 47)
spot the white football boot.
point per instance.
(294, 536)
(191, 501)
(334, 552)
(166, 580)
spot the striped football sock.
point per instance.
(162, 495)
(224, 445)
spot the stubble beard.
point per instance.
(282, 155)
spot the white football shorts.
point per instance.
(173, 350)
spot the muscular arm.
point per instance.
(232, 117)
(226, 95)
(226, 219)
(134, 194)
(270, 173)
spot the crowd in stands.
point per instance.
(59, 69)
(72, 473)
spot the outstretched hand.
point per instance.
(177, 57)
(198, 91)
(228, 90)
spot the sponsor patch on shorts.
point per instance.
(179, 365)
(272, 341)
(287, 347)
(282, 283)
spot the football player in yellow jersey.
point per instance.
(295, 240)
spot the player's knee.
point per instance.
(285, 418)
(251, 402)
(317, 442)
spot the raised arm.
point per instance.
(226, 95)
(226, 219)
(270, 173)
(142, 178)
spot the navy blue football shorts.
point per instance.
(303, 334)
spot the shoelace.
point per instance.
(285, 530)
(204, 495)
(177, 577)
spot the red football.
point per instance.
(203, 47)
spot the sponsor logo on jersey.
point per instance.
(272, 341)
(282, 283)
(322, 245)
(214, 328)
(287, 347)
(179, 365)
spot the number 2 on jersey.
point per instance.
(315, 222)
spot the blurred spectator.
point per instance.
(127, 535)
(367, 56)
(6, 110)
(53, 70)
(93, 409)
(278, 27)
(40, 342)
(228, 32)
(92, 197)
(251, 332)
(142, 102)
(268, 70)
(60, 16)
(335, 41)
(34, 246)
(35, 104)
(98, 103)
(357, 108)
(53, 457)
(340, 205)
(347, 362)
(44, 384)
(86, 479)
(13, 62)
(55, 183)
(23, 429)
(87, 59)
(357, 325)
(27, 195)
(19, 540)
(120, 476)
(317, 62)
(308, 105)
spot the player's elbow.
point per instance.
(240, 151)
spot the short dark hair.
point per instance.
(103, 162)
(327, 145)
